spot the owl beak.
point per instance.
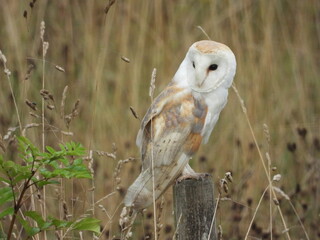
(200, 78)
(202, 82)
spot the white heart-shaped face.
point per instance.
(207, 66)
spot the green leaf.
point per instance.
(39, 220)
(21, 176)
(31, 231)
(60, 223)
(35, 216)
(6, 212)
(50, 149)
(64, 161)
(4, 180)
(88, 224)
(45, 173)
(46, 182)
(6, 195)
(10, 167)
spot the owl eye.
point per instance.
(213, 67)
(193, 65)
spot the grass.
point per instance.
(276, 45)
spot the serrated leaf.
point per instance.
(25, 146)
(43, 225)
(36, 217)
(42, 183)
(6, 212)
(45, 173)
(78, 161)
(10, 166)
(21, 176)
(6, 195)
(4, 180)
(87, 224)
(50, 149)
(31, 231)
(64, 161)
(60, 223)
(54, 164)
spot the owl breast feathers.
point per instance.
(180, 119)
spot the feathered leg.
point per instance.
(189, 173)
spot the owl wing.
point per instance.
(169, 135)
(167, 95)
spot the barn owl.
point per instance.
(180, 119)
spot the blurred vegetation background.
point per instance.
(108, 60)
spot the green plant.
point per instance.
(35, 170)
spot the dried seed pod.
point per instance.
(266, 132)
(42, 29)
(61, 69)
(3, 57)
(219, 232)
(45, 94)
(134, 113)
(276, 178)
(2, 145)
(224, 185)
(31, 66)
(152, 83)
(106, 9)
(50, 107)
(65, 210)
(127, 60)
(229, 176)
(31, 105)
(34, 115)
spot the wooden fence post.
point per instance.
(194, 209)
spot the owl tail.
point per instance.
(139, 194)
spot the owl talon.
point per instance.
(196, 176)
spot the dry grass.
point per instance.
(107, 60)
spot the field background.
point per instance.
(276, 44)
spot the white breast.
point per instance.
(215, 101)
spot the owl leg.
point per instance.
(188, 170)
(189, 173)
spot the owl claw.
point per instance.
(197, 176)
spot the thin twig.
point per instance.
(45, 46)
(214, 215)
(255, 212)
(176, 232)
(299, 219)
(204, 32)
(151, 91)
(8, 73)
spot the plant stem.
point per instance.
(18, 205)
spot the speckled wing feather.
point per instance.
(169, 135)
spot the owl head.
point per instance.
(207, 66)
